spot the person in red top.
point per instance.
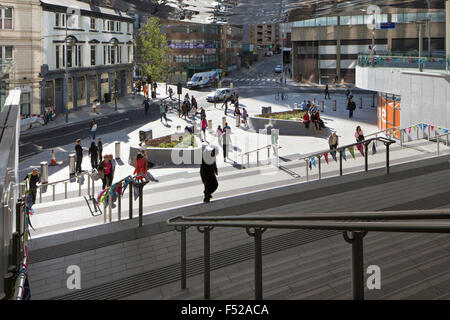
(141, 168)
(306, 120)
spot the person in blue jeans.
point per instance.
(351, 106)
(93, 128)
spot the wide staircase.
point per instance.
(119, 260)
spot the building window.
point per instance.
(104, 54)
(128, 54)
(60, 19)
(119, 59)
(93, 55)
(111, 26)
(25, 104)
(81, 91)
(6, 20)
(6, 52)
(93, 25)
(118, 26)
(57, 57)
(69, 56)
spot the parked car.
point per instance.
(278, 69)
(220, 94)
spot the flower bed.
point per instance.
(294, 115)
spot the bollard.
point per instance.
(322, 106)
(238, 120)
(224, 120)
(117, 149)
(53, 197)
(334, 106)
(210, 125)
(44, 172)
(71, 165)
(65, 190)
(361, 104)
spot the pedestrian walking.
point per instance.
(146, 104)
(93, 128)
(202, 113)
(226, 105)
(170, 93)
(107, 168)
(226, 141)
(100, 149)
(245, 116)
(204, 126)
(359, 135)
(219, 133)
(327, 92)
(93, 153)
(208, 173)
(79, 155)
(351, 106)
(237, 111)
(333, 141)
(31, 181)
(162, 112)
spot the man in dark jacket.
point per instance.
(208, 172)
(33, 179)
(79, 155)
(146, 105)
(350, 107)
(100, 150)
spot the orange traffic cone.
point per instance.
(53, 161)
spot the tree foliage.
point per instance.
(152, 51)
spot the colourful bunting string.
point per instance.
(333, 155)
(445, 130)
(415, 127)
(432, 128)
(409, 130)
(374, 149)
(313, 160)
(439, 128)
(310, 165)
(360, 149)
(325, 155)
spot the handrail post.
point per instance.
(110, 207)
(366, 156)
(340, 162)
(89, 184)
(268, 155)
(257, 234)
(130, 208)
(183, 257)
(447, 139)
(141, 204)
(53, 195)
(357, 263)
(248, 160)
(79, 186)
(65, 190)
(387, 157)
(93, 188)
(206, 261)
(320, 166)
(307, 172)
(104, 211)
(119, 209)
(417, 133)
(401, 137)
(257, 158)
(429, 133)
(437, 143)
(40, 195)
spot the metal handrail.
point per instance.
(19, 286)
(242, 155)
(256, 225)
(387, 142)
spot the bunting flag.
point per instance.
(325, 155)
(352, 151)
(310, 165)
(360, 148)
(414, 127)
(313, 160)
(439, 128)
(343, 155)
(424, 126)
(409, 130)
(445, 131)
(374, 149)
(420, 126)
(432, 128)
(333, 155)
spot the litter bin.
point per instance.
(72, 164)
(145, 135)
(107, 97)
(267, 109)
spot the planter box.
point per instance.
(286, 127)
(170, 156)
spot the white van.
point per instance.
(203, 79)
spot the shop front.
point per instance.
(388, 111)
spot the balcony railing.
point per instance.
(407, 62)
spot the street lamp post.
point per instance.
(66, 107)
(318, 53)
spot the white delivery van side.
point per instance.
(203, 79)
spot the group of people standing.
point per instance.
(312, 115)
(333, 140)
